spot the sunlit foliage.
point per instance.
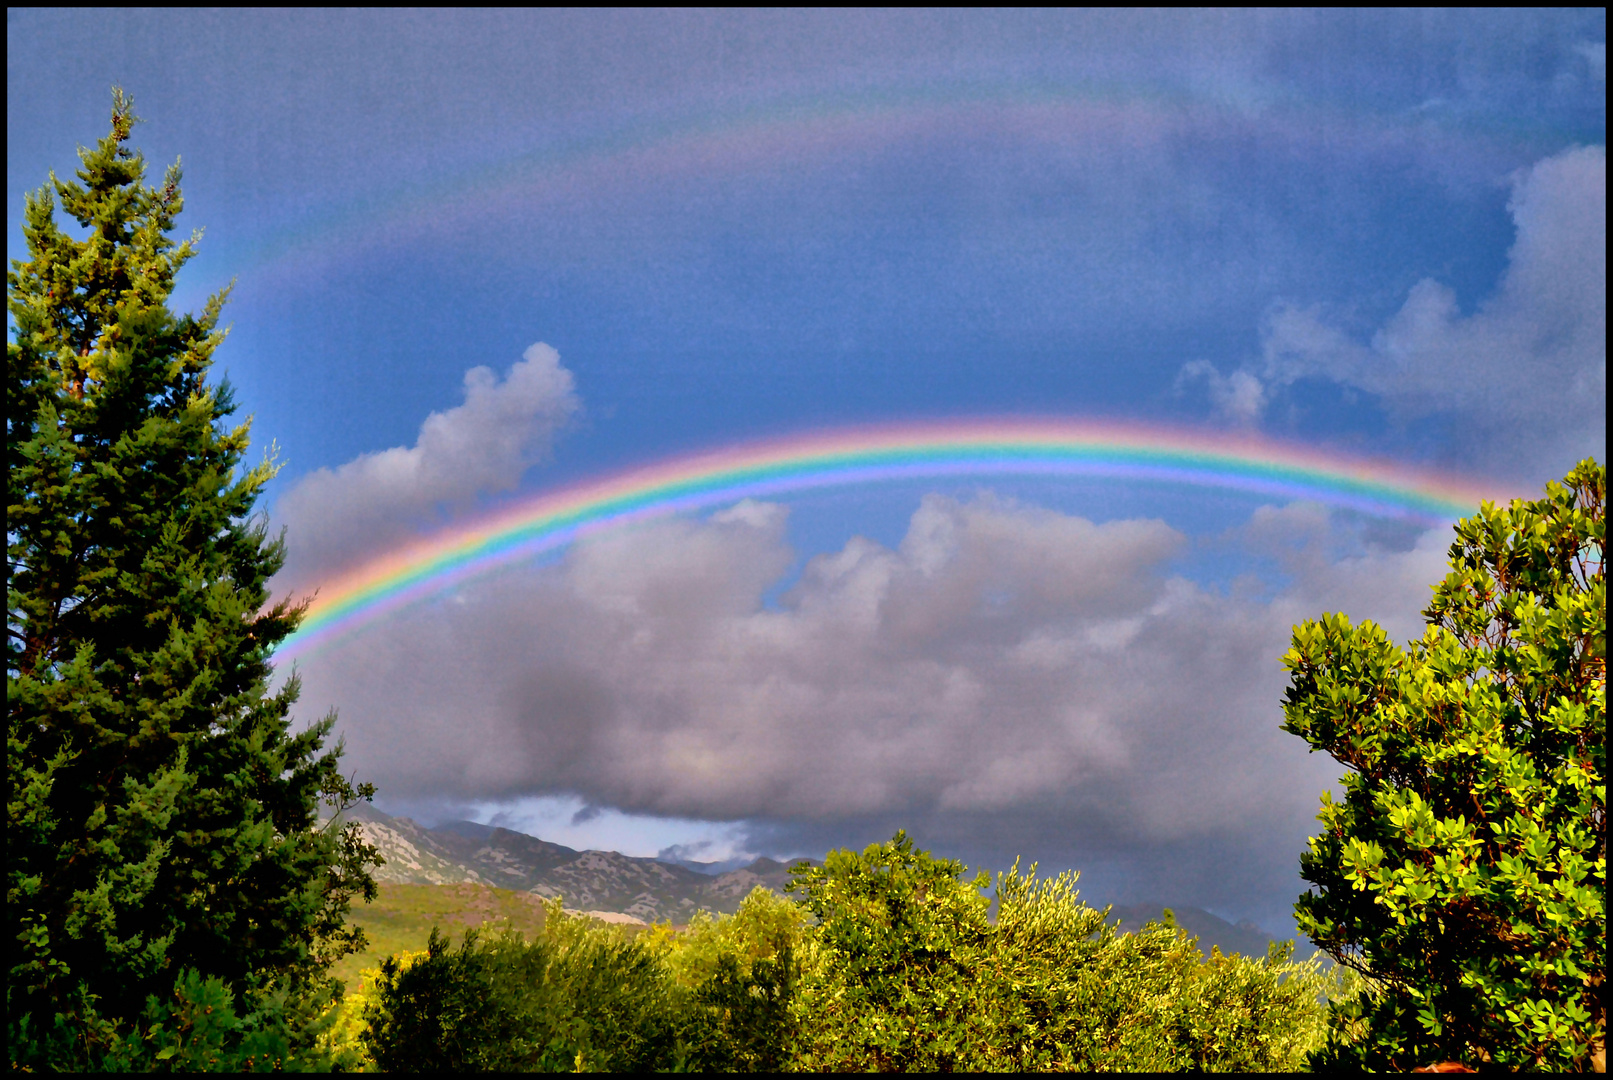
(904, 971)
(1465, 872)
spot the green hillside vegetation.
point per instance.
(402, 917)
(882, 959)
(413, 900)
(648, 890)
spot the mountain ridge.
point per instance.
(625, 888)
(603, 883)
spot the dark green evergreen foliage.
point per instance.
(196, 1030)
(161, 813)
(1465, 872)
(508, 1005)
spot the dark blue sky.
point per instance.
(1368, 231)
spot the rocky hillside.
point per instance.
(602, 882)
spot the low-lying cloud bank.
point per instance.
(1007, 680)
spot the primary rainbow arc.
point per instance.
(983, 448)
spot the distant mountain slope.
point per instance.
(601, 881)
(1211, 930)
(508, 859)
(653, 890)
(414, 855)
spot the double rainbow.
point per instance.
(921, 451)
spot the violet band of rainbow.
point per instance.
(862, 456)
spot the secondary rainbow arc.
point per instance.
(728, 142)
(979, 448)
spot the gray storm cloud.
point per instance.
(1003, 661)
(1525, 373)
(1007, 679)
(335, 517)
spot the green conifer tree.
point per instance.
(161, 810)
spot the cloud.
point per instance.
(334, 517)
(1524, 376)
(1007, 676)
(1595, 55)
(1238, 397)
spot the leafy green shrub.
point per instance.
(1240, 1014)
(343, 1029)
(900, 970)
(1465, 872)
(1070, 992)
(888, 970)
(742, 972)
(905, 972)
(764, 923)
(585, 995)
(581, 997)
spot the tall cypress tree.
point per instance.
(162, 812)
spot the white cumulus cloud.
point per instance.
(335, 517)
(1523, 377)
(1239, 397)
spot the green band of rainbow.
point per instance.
(980, 448)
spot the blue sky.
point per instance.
(1373, 232)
